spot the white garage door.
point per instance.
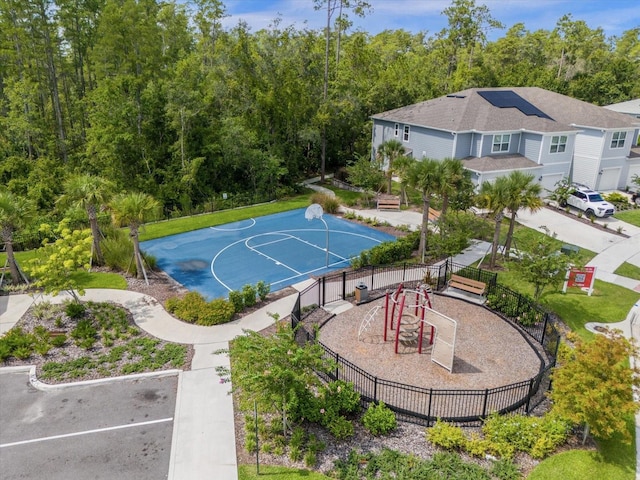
(633, 170)
(609, 179)
(548, 183)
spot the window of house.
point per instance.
(405, 136)
(558, 143)
(618, 139)
(500, 143)
(396, 130)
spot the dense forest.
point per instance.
(158, 97)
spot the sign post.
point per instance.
(583, 278)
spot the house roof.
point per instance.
(631, 107)
(467, 110)
(498, 163)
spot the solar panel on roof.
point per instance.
(510, 99)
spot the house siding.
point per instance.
(426, 142)
(463, 145)
(547, 158)
(586, 157)
(530, 146)
(487, 145)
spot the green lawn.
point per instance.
(628, 270)
(248, 472)
(629, 216)
(614, 460)
(187, 224)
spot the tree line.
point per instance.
(158, 97)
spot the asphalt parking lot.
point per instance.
(116, 430)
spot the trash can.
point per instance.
(362, 293)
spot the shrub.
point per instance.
(236, 299)
(446, 436)
(535, 436)
(340, 428)
(59, 340)
(84, 334)
(43, 310)
(216, 312)
(117, 250)
(189, 307)
(249, 295)
(505, 469)
(478, 446)
(341, 397)
(331, 205)
(75, 309)
(388, 252)
(379, 419)
(263, 290)
(18, 343)
(193, 308)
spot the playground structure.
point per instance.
(414, 313)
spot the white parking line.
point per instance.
(86, 432)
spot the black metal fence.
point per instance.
(426, 405)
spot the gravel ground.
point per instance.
(489, 352)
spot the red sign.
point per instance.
(582, 278)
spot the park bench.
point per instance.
(467, 285)
(388, 202)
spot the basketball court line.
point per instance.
(253, 222)
(287, 236)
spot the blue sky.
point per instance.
(613, 16)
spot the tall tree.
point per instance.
(493, 197)
(15, 213)
(593, 385)
(468, 24)
(91, 193)
(425, 175)
(453, 179)
(134, 210)
(359, 7)
(389, 152)
(522, 193)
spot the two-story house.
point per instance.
(497, 130)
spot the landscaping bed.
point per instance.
(86, 341)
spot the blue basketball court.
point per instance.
(281, 249)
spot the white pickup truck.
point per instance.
(590, 202)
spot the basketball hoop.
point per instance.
(313, 211)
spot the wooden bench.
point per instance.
(388, 202)
(467, 285)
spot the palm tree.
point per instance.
(91, 193)
(402, 165)
(15, 213)
(493, 196)
(133, 210)
(522, 192)
(388, 152)
(453, 175)
(425, 176)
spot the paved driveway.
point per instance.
(116, 430)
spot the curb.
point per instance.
(38, 384)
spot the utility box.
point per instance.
(362, 293)
(569, 249)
